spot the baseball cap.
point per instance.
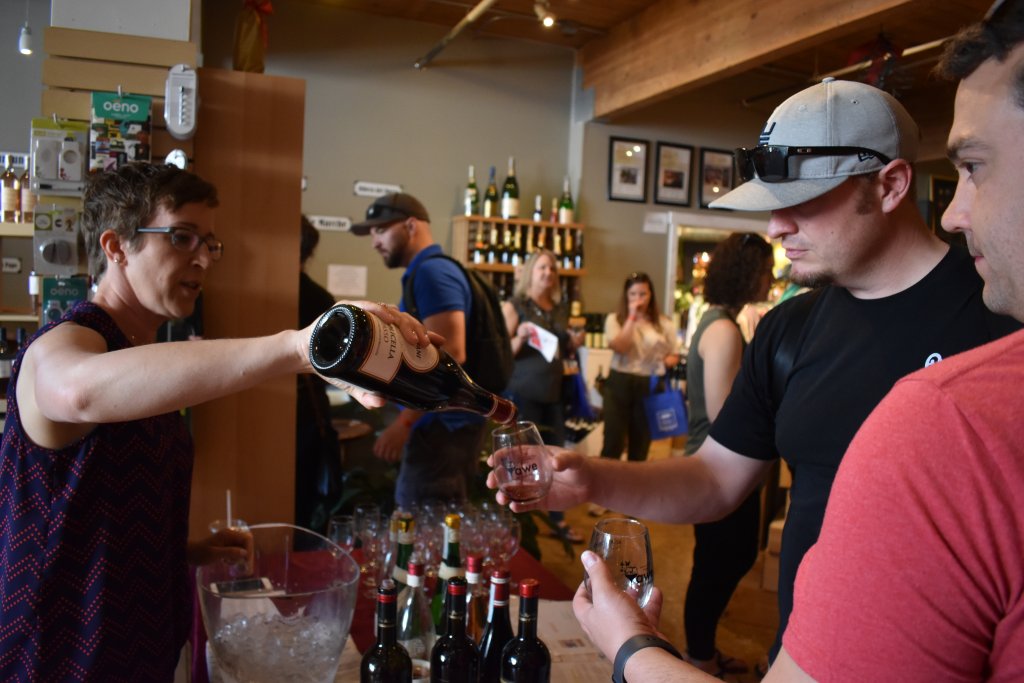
(388, 209)
(869, 122)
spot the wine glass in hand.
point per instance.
(522, 462)
(625, 545)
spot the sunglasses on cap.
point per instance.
(770, 163)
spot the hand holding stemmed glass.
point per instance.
(522, 463)
(625, 545)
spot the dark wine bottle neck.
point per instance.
(528, 618)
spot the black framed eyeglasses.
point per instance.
(770, 163)
(184, 239)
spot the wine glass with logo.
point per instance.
(625, 545)
(523, 468)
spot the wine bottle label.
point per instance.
(446, 572)
(406, 537)
(389, 349)
(400, 575)
(565, 215)
(509, 207)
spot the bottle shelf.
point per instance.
(507, 268)
(8, 229)
(18, 318)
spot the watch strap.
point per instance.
(632, 646)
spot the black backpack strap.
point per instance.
(408, 293)
(786, 352)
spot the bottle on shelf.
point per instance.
(556, 244)
(22, 337)
(450, 568)
(479, 254)
(387, 661)
(28, 197)
(529, 241)
(476, 598)
(525, 658)
(568, 256)
(491, 197)
(506, 245)
(577, 254)
(472, 199)
(498, 631)
(553, 216)
(566, 209)
(538, 209)
(455, 658)
(416, 631)
(353, 345)
(406, 527)
(10, 191)
(510, 192)
(494, 246)
(517, 245)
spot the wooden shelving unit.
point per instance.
(474, 236)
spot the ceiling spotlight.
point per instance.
(543, 12)
(25, 40)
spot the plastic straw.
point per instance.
(229, 509)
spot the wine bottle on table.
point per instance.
(525, 658)
(450, 568)
(455, 658)
(491, 197)
(387, 661)
(498, 631)
(416, 630)
(472, 200)
(510, 192)
(353, 345)
(566, 209)
(406, 538)
(476, 598)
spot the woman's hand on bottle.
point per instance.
(412, 330)
(570, 485)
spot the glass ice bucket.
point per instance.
(286, 616)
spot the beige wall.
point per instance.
(371, 116)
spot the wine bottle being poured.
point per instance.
(355, 346)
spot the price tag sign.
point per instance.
(331, 223)
(365, 188)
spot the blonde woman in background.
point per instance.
(536, 384)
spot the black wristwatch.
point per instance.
(632, 646)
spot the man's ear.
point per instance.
(896, 182)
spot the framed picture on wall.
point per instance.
(717, 175)
(627, 170)
(672, 175)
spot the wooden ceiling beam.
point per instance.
(680, 45)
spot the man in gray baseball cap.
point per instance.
(833, 165)
(818, 139)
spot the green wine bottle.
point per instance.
(472, 200)
(566, 209)
(491, 197)
(510, 192)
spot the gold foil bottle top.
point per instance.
(452, 520)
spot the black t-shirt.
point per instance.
(851, 352)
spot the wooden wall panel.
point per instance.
(117, 47)
(249, 143)
(675, 46)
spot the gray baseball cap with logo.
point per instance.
(845, 114)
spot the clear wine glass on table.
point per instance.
(625, 545)
(342, 530)
(523, 462)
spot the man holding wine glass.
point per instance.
(438, 451)
(834, 168)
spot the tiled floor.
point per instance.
(748, 626)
